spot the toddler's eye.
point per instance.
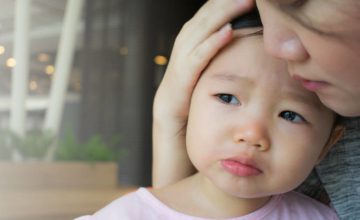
(292, 116)
(227, 98)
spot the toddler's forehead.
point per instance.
(246, 58)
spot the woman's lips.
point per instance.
(310, 85)
(239, 168)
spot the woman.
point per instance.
(320, 40)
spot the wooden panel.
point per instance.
(57, 174)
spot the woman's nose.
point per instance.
(284, 44)
(281, 37)
(252, 133)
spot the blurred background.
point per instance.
(77, 80)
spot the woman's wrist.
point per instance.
(170, 160)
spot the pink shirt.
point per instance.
(142, 204)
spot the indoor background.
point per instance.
(77, 80)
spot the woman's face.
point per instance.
(320, 40)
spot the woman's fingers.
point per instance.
(186, 64)
(197, 43)
(204, 52)
(183, 72)
(211, 17)
(200, 38)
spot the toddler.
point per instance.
(253, 134)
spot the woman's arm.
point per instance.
(198, 41)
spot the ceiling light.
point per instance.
(11, 62)
(160, 60)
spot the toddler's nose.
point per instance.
(253, 133)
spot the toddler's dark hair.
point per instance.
(250, 19)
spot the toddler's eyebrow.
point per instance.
(231, 77)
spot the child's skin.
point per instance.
(252, 132)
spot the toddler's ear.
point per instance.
(335, 135)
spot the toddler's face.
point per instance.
(252, 130)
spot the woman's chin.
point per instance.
(342, 106)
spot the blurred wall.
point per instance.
(120, 77)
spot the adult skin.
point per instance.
(318, 39)
(321, 42)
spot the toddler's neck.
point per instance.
(198, 196)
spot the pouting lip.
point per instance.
(244, 161)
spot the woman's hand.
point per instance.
(197, 43)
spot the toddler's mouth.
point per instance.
(241, 167)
